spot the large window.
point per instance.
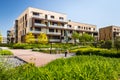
(61, 18)
(37, 21)
(52, 17)
(35, 13)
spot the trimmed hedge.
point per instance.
(100, 52)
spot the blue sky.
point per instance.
(99, 12)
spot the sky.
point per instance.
(98, 12)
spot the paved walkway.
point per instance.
(39, 58)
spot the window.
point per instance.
(35, 14)
(46, 16)
(52, 17)
(51, 30)
(69, 26)
(78, 26)
(54, 23)
(25, 16)
(37, 21)
(84, 27)
(71, 31)
(94, 29)
(62, 25)
(61, 18)
(56, 30)
(89, 28)
(26, 24)
(31, 28)
(37, 29)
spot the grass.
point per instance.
(74, 68)
(5, 52)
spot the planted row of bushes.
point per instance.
(74, 68)
(97, 51)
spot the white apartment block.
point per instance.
(54, 24)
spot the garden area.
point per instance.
(74, 68)
(92, 61)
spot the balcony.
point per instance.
(54, 33)
(41, 17)
(39, 24)
(35, 32)
(54, 40)
(69, 28)
(55, 20)
(56, 26)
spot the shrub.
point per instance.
(100, 52)
(5, 52)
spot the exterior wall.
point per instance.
(109, 33)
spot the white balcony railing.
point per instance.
(39, 24)
(55, 33)
(54, 40)
(38, 17)
(55, 26)
(37, 32)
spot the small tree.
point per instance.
(42, 38)
(86, 38)
(117, 43)
(75, 36)
(0, 38)
(108, 44)
(29, 38)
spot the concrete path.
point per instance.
(38, 58)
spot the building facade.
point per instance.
(54, 24)
(109, 33)
(11, 35)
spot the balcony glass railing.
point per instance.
(56, 26)
(39, 24)
(38, 17)
(54, 40)
(54, 33)
(35, 31)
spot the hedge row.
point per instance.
(100, 52)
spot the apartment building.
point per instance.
(4, 40)
(109, 32)
(11, 35)
(54, 24)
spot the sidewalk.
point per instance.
(38, 58)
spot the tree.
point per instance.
(117, 43)
(86, 38)
(29, 38)
(108, 44)
(42, 38)
(0, 38)
(75, 36)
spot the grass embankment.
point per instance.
(5, 52)
(74, 68)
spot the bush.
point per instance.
(97, 51)
(5, 52)
(19, 46)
